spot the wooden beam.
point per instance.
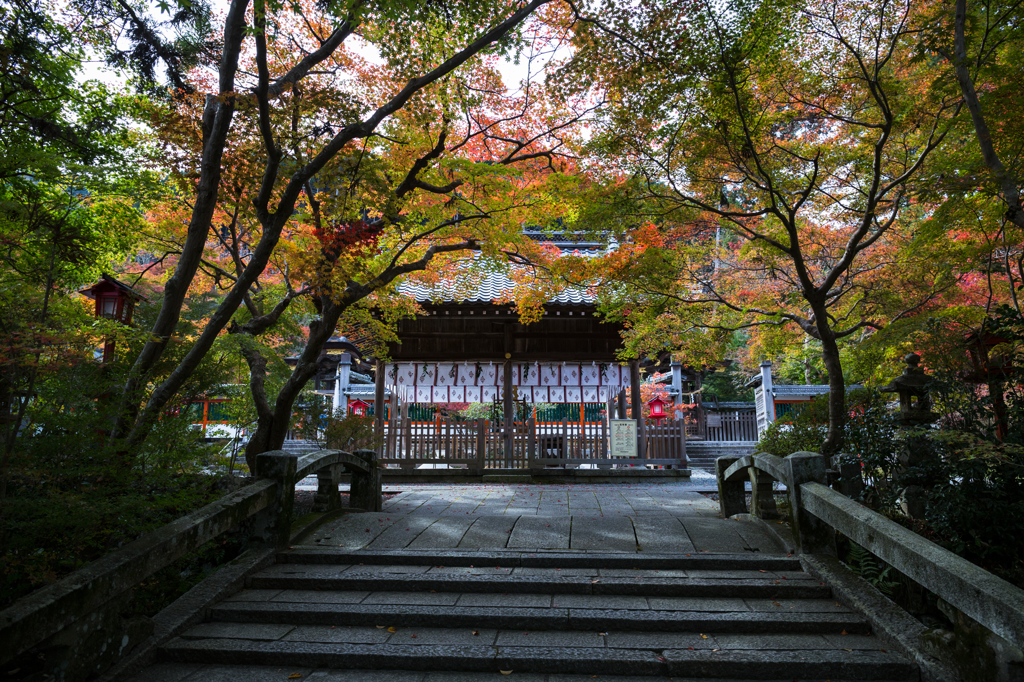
(509, 410)
(638, 407)
(378, 402)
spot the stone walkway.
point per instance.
(652, 518)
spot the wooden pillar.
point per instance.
(509, 411)
(378, 402)
(622, 404)
(637, 407)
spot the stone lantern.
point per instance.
(912, 388)
(915, 411)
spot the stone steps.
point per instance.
(546, 616)
(752, 664)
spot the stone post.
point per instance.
(328, 498)
(365, 491)
(275, 523)
(732, 497)
(769, 392)
(812, 535)
(762, 495)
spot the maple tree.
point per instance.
(764, 156)
(460, 168)
(271, 58)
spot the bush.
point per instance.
(974, 483)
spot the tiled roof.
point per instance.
(491, 287)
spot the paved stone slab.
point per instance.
(606, 534)
(579, 660)
(361, 569)
(166, 672)
(244, 673)
(797, 605)
(662, 534)
(776, 642)
(261, 631)
(254, 595)
(856, 642)
(556, 572)
(641, 573)
(550, 638)
(697, 604)
(353, 530)
(715, 535)
(401, 534)
(366, 676)
(445, 533)
(540, 532)
(499, 600)
(601, 601)
(413, 598)
(340, 633)
(757, 537)
(320, 597)
(488, 532)
(444, 636)
(471, 570)
(485, 677)
(658, 640)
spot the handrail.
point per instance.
(988, 599)
(93, 597)
(816, 510)
(37, 616)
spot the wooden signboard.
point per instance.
(623, 438)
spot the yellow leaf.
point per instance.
(703, 636)
(392, 630)
(295, 676)
(505, 672)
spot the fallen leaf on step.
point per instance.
(433, 592)
(476, 632)
(594, 582)
(847, 649)
(703, 636)
(295, 676)
(762, 570)
(844, 632)
(505, 672)
(381, 627)
(391, 629)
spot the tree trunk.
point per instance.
(272, 427)
(1008, 184)
(836, 390)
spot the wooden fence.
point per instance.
(483, 444)
(722, 426)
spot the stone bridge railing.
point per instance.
(76, 624)
(816, 509)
